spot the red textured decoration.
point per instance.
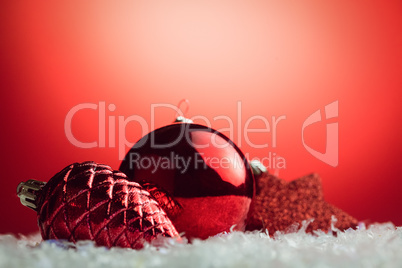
(202, 170)
(279, 204)
(169, 205)
(90, 201)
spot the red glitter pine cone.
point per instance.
(90, 201)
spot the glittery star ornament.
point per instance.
(279, 204)
(90, 201)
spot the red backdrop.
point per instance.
(287, 58)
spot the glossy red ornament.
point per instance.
(90, 201)
(202, 169)
(165, 200)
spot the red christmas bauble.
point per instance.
(202, 169)
(90, 201)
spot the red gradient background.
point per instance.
(276, 57)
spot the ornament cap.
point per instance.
(28, 192)
(180, 115)
(182, 119)
(258, 168)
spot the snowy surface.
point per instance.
(379, 245)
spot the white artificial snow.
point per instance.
(380, 245)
